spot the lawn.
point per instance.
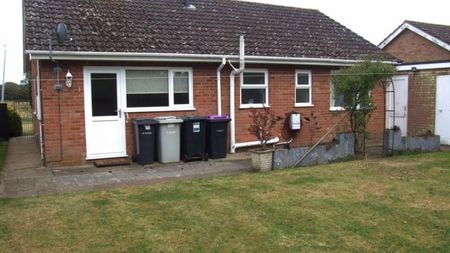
(3, 146)
(401, 204)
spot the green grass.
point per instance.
(400, 204)
(3, 146)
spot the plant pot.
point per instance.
(262, 160)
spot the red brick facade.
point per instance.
(422, 100)
(281, 100)
(411, 47)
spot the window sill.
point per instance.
(304, 105)
(160, 109)
(253, 106)
(337, 109)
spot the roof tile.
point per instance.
(441, 32)
(164, 26)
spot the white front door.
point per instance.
(443, 109)
(105, 125)
(400, 117)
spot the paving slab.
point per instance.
(22, 153)
(24, 175)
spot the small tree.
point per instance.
(14, 91)
(263, 122)
(356, 84)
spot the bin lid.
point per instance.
(218, 118)
(193, 118)
(145, 121)
(168, 120)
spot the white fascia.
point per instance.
(416, 30)
(423, 66)
(163, 57)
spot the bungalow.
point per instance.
(136, 59)
(422, 84)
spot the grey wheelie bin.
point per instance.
(168, 139)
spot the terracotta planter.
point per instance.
(262, 160)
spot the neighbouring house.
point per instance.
(422, 84)
(138, 58)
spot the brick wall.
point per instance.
(410, 47)
(281, 100)
(422, 101)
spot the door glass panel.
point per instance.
(104, 94)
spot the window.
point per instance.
(158, 89)
(181, 88)
(336, 103)
(254, 88)
(303, 89)
(147, 88)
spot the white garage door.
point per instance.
(400, 117)
(443, 109)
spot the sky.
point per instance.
(374, 20)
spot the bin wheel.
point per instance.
(205, 157)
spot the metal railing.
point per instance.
(25, 111)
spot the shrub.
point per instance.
(263, 122)
(14, 124)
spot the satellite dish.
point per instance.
(61, 33)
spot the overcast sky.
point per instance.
(373, 20)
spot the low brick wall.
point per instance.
(342, 148)
(420, 143)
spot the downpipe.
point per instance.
(233, 74)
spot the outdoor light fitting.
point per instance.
(69, 79)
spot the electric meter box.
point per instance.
(295, 122)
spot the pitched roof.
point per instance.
(164, 26)
(441, 32)
(438, 34)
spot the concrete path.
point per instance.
(23, 175)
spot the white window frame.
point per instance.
(254, 86)
(172, 106)
(303, 87)
(333, 108)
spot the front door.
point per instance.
(443, 109)
(400, 105)
(105, 126)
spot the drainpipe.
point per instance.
(39, 104)
(255, 143)
(219, 86)
(232, 93)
